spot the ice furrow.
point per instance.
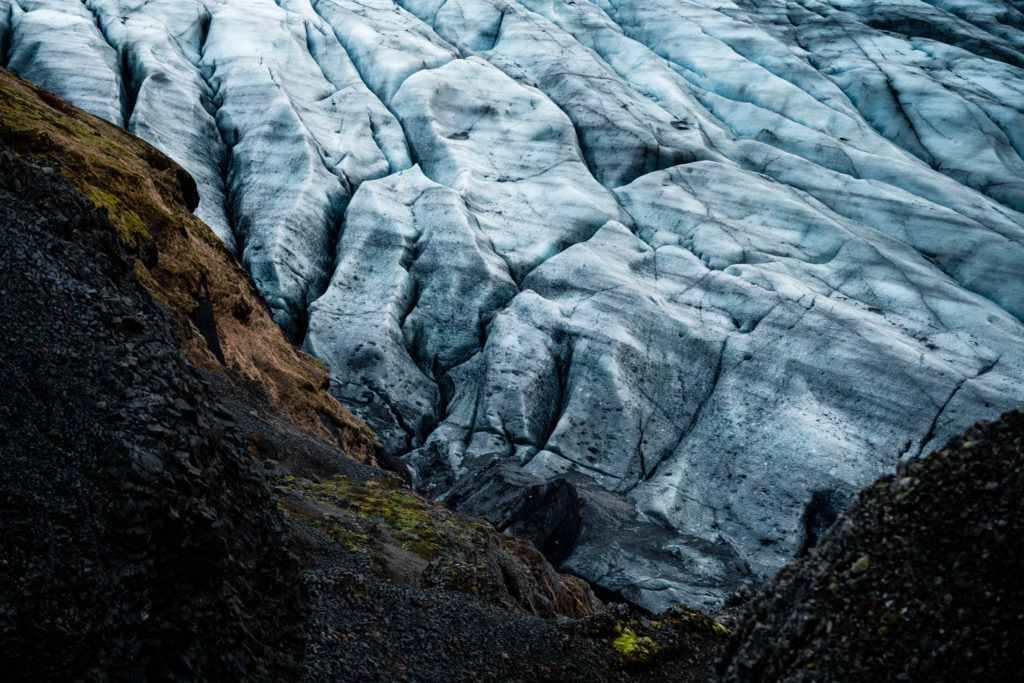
(929, 437)
(622, 134)
(974, 157)
(637, 64)
(337, 67)
(386, 44)
(419, 314)
(705, 58)
(700, 406)
(6, 16)
(219, 184)
(125, 76)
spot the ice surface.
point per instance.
(702, 261)
(622, 133)
(510, 152)
(60, 46)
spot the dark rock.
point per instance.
(544, 513)
(919, 580)
(205, 321)
(124, 558)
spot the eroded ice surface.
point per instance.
(655, 283)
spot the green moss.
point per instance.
(331, 526)
(632, 647)
(418, 525)
(861, 565)
(121, 215)
(636, 644)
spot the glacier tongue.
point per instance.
(657, 283)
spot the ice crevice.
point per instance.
(930, 434)
(397, 160)
(6, 19)
(128, 78)
(124, 73)
(700, 406)
(234, 240)
(559, 402)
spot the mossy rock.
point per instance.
(415, 524)
(637, 642)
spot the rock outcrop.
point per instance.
(139, 540)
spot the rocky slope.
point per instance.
(164, 517)
(136, 531)
(919, 580)
(706, 267)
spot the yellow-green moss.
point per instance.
(418, 525)
(861, 565)
(120, 215)
(331, 527)
(638, 644)
(632, 647)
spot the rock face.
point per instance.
(920, 580)
(695, 270)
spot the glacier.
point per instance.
(657, 284)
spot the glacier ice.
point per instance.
(684, 265)
(60, 46)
